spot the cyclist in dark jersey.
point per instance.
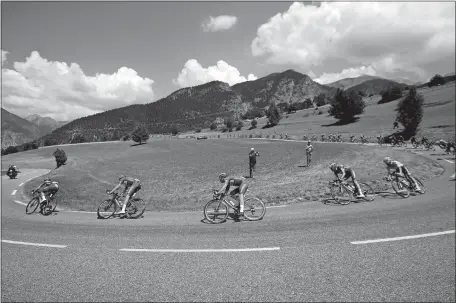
(46, 188)
(346, 172)
(132, 185)
(252, 160)
(241, 188)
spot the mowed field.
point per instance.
(179, 174)
(438, 119)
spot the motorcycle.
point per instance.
(11, 173)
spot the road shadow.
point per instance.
(340, 122)
(136, 144)
(302, 166)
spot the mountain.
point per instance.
(45, 121)
(346, 83)
(405, 81)
(287, 87)
(375, 86)
(16, 130)
(191, 107)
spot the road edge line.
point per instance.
(404, 238)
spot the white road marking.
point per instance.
(275, 206)
(14, 192)
(34, 244)
(78, 211)
(201, 250)
(20, 202)
(404, 238)
(21, 184)
(449, 161)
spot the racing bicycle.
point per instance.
(217, 210)
(402, 186)
(46, 207)
(135, 206)
(343, 192)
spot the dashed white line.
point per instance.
(275, 206)
(449, 161)
(13, 193)
(21, 184)
(20, 202)
(34, 244)
(201, 250)
(404, 238)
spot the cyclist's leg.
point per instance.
(242, 190)
(130, 192)
(358, 188)
(409, 177)
(43, 193)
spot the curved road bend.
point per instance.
(301, 252)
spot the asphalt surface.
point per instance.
(310, 256)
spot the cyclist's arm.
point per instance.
(225, 187)
(39, 187)
(115, 188)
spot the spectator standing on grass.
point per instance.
(309, 150)
(395, 125)
(252, 160)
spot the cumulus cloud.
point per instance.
(389, 36)
(63, 92)
(194, 74)
(220, 23)
(346, 73)
(4, 53)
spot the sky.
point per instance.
(67, 60)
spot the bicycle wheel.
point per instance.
(368, 192)
(341, 195)
(400, 188)
(49, 207)
(32, 206)
(254, 209)
(420, 184)
(215, 211)
(135, 208)
(106, 209)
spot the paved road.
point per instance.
(301, 252)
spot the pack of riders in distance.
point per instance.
(238, 184)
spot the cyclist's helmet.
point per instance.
(222, 176)
(332, 166)
(121, 177)
(47, 180)
(252, 149)
(387, 160)
(308, 141)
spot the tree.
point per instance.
(308, 103)
(254, 123)
(140, 134)
(410, 112)
(391, 94)
(11, 150)
(229, 123)
(292, 108)
(239, 125)
(273, 115)
(345, 107)
(436, 80)
(320, 100)
(213, 126)
(60, 157)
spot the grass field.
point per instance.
(179, 174)
(438, 119)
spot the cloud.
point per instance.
(393, 36)
(4, 53)
(194, 74)
(346, 73)
(62, 91)
(219, 23)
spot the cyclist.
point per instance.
(401, 170)
(380, 139)
(309, 150)
(346, 172)
(252, 160)
(241, 188)
(442, 143)
(47, 187)
(131, 186)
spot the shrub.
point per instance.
(198, 130)
(213, 126)
(320, 112)
(60, 157)
(11, 150)
(345, 107)
(436, 80)
(273, 115)
(254, 123)
(390, 95)
(320, 100)
(174, 131)
(239, 125)
(140, 134)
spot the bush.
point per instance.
(436, 80)
(239, 125)
(345, 107)
(273, 115)
(254, 123)
(213, 126)
(410, 112)
(320, 100)
(60, 157)
(292, 108)
(78, 138)
(320, 112)
(224, 130)
(253, 113)
(198, 130)
(50, 142)
(140, 134)
(390, 95)
(174, 131)
(126, 138)
(11, 150)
